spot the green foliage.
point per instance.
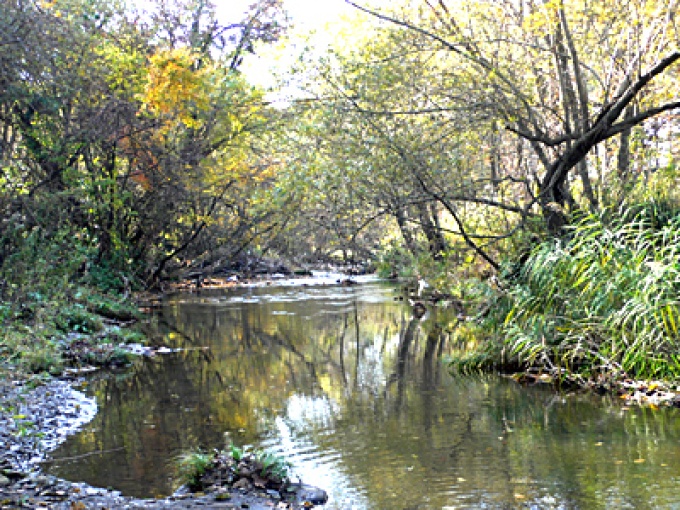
(273, 465)
(602, 302)
(470, 362)
(119, 335)
(5, 312)
(106, 304)
(76, 318)
(236, 453)
(191, 467)
(197, 469)
(30, 352)
(42, 359)
(107, 277)
(395, 260)
(45, 299)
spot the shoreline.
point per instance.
(35, 420)
(38, 414)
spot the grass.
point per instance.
(52, 296)
(603, 302)
(191, 466)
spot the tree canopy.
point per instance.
(445, 130)
(473, 121)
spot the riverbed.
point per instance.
(345, 383)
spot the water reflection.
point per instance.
(349, 386)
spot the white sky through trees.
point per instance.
(306, 16)
(311, 13)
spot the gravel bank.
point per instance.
(35, 420)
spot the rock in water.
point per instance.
(310, 494)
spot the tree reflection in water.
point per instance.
(352, 388)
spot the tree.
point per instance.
(135, 135)
(398, 158)
(563, 76)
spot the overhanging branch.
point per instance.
(641, 117)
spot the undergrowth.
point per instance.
(602, 302)
(59, 308)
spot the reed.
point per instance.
(602, 301)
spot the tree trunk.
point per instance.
(435, 240)
(406, 234)
(587, 185)
(623, 157)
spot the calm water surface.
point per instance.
(352, 389)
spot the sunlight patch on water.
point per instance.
(304, 410)
(373, 374)
(316, 467)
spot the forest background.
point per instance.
(519, 154)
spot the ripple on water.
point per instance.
(316, 464)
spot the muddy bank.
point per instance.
(35, 419)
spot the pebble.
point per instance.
(35, 421)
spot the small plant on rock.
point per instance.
(273, 466)
(233, 467)
(192, 466)
(236, 452)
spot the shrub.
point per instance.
(605, 300)
(78, 319)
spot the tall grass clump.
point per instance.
(56, 309)
(604, 301)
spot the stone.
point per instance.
(273, 494)
(310, 494)
(243, 483)
(244, 471)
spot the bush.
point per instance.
(603, 301)
(395, 260)
(49, 303)
(76, 318)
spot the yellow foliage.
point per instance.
(124, 69)
(177, 86)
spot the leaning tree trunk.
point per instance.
(435, 239)
(406, 233)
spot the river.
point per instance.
(353, 390)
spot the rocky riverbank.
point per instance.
(35, 417)
(37, 413)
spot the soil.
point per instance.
(37, 416)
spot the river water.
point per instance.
(345, 383)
